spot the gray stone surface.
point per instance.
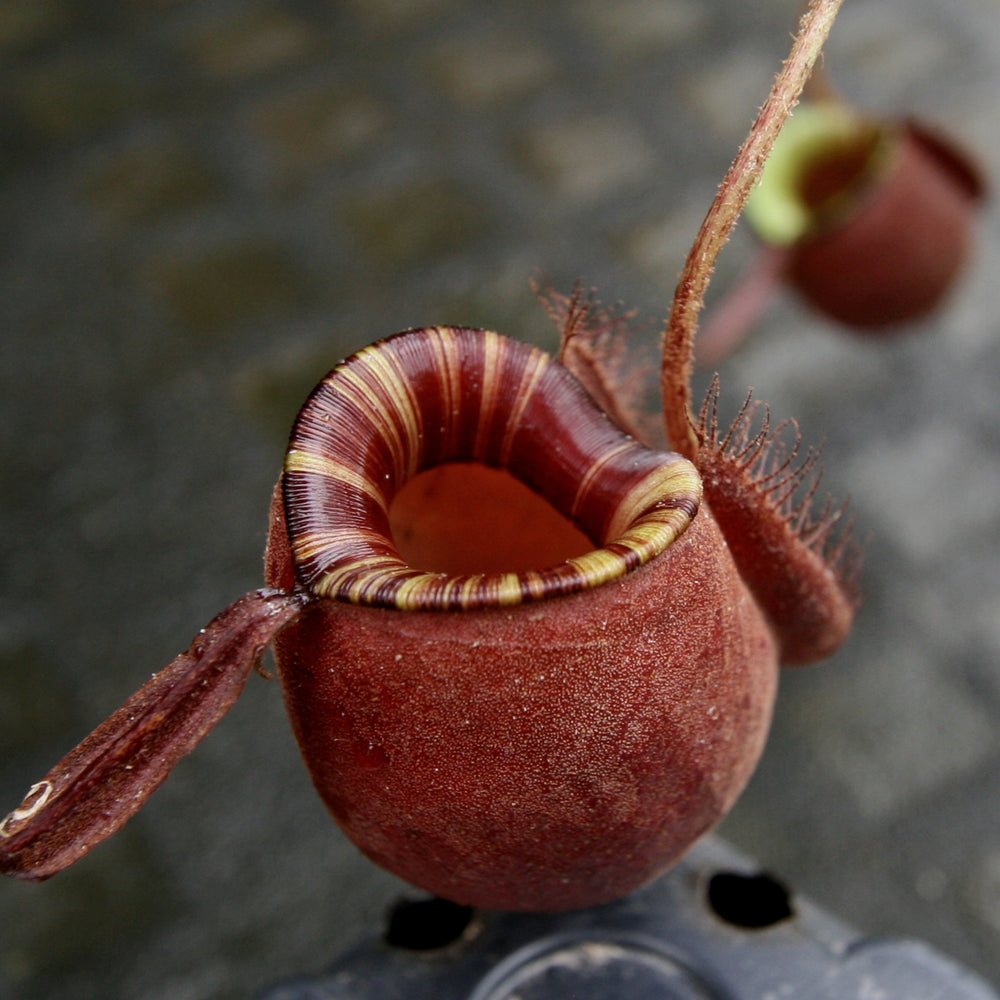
(204, 205)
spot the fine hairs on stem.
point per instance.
(743, 174)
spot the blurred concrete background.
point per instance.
(205, 204)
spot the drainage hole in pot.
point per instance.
(751, 901)
(426, 924)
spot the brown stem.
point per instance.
(678, 340)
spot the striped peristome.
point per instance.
(455, 394)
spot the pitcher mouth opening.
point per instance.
(345, 472)
(363, 565)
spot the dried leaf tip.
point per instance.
(104, 781)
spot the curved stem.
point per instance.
(678, 339)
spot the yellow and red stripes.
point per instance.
(447, 394)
